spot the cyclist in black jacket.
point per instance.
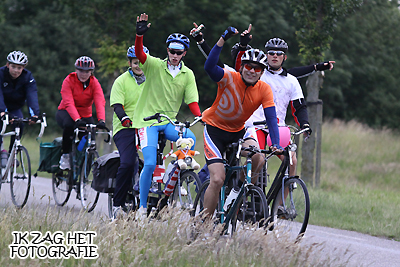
(17, 87)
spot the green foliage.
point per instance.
(364, 43)
(364, 84)
(318, 19)
(112, 56)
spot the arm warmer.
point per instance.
(213, 70)
(139, 49)
(195, 109)
(272, 122)
(299, 111)
(205, 50)
(119, 110)
(303, 71)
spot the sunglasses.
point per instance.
(173, 52)
(278, 53)
(256, 68)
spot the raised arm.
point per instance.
(238, 49)
(141, 27)
(201, 42)
(304, 71)
(214, 71)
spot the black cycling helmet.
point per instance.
(277, 44)
(84, 63)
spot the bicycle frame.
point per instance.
(81, 157)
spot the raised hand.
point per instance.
(141, 24)
(245, 37)
(229, 32)
(196, 32)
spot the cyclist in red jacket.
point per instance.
(78, 92)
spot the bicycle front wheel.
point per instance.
(89, 196)
(62, 186)
(252, 209)
(291, 215)
(198, 204)
(185, 193)
(20, 181)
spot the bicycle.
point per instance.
(290, 209)
(17, 170)
(79, 176)
(187, 179)
(250, 206)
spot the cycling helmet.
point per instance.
(255, 56)
(277, 44)
(17, 57)
(131, 51)
(180, 38)
(84, 63)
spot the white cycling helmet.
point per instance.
(17, 57)
(255, 56)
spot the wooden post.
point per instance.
(313, 84)
(319, 143)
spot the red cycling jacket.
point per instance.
(78, 101)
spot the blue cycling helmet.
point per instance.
(180, 38)
(131, 51)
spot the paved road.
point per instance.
(360, 249)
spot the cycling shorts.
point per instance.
(217, 140)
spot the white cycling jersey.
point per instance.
(285, 89)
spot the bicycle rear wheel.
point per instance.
(88, 195)
(292, 218)
(62, 186)
(20, 181)
(185, 193)
(252, 209)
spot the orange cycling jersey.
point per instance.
(236, 102)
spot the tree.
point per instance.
(318, 19)
(52, 40)
(364, 85)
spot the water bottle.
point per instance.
(4, 158)
(82, 143)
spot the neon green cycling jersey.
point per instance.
(162, 92)
(125, 91)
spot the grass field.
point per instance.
(359, 184)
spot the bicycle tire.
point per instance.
(62, 186)
(189, 181)
(88, 195)
(198, 204)
(110, 205)
(294, 219)
(20, 180)
(252, 209)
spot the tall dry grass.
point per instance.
(165, 242)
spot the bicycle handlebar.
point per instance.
(159, 116)
(6, 121)
(94, 126)
(297, 131)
